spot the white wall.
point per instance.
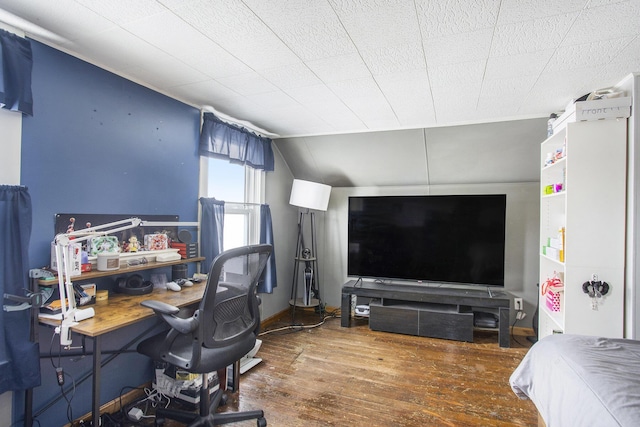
(521, 263)
(285, 218)
(10, 137)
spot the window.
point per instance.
(241, 188)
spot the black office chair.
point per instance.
(220, 332)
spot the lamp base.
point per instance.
(299, 302)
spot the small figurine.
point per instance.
(133, 245)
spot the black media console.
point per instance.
(437, 312)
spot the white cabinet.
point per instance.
(590, 207)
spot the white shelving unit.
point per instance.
(591, 208)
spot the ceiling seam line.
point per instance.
(426, 65)
(366, 65)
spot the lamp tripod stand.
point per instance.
(307, 258)
(309, 196)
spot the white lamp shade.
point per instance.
(310, 195)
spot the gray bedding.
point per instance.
(582, 381)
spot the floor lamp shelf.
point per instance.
(309, 196)
(305, 292)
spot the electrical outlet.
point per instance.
(517, 303)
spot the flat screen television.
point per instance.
(452, 239)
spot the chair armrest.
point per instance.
(168, 313)
(160, 307)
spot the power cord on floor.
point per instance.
(295, 328)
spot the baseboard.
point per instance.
(276, 318)
(286, 313)
(524, 332)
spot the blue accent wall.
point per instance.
(98, 143)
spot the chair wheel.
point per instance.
(223, 399)
(262, 422)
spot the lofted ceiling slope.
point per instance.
(502, 152)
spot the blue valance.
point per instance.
(238, 145)
(16, 62)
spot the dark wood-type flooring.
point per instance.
(334, 376)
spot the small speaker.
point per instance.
(184, 236)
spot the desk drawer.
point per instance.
(422, 319)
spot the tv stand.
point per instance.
(436, 312)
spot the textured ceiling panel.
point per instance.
(586, 55)
(531, 36)
(240, 52)
(512, 11)
(318, 67)
(443, 17)
(121, 12)
(394, 59)
(339, 68)
(615, 19)
(309, 28)
(391, 23)
(456, 48)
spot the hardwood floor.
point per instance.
(334, 376)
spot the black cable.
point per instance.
(513, 335)
(103, 363)
(69, 399)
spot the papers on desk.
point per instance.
(57, 316)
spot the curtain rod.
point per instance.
(244, 123)
(244, 203)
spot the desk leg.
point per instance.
(97, 359)
(345, 310)
(504, 337)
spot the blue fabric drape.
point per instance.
(268, 280)
(238, 145)
(19, 357)
(16, 62)
(211, 229)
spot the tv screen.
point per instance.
(450, 239)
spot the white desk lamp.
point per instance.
(71, 314)
(310, 196)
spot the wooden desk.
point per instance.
(119, 311)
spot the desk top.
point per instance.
(121, 310)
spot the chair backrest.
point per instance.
(229, 307)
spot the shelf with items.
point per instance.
(552, 295)
(582, 227)
(94, 274)
(554, 161)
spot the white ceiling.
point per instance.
(318, 67)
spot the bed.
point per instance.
(579, 380)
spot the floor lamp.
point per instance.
(310, 197)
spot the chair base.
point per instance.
(207, 416)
